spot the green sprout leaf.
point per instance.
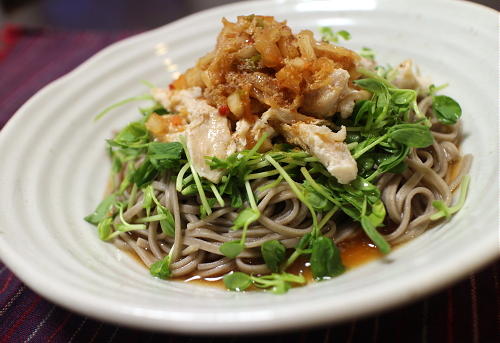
(412, 135)
(165, 155)
(446, 110)
(279, 283)
(231, 249)
(104, 229)
(273, 253)
(344, 34)
(325, 259)
(167, 223)
(245, 218)
(134, 135)
(102, 210)
(237, 281)
(328, 35)
(161, 268)
(445, 211)
(121, 103)
(147, 201)
(367, 53)
(370, 223)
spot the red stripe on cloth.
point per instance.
(82, 50)
(425, 320)
(113, 335)
(437, 318)
(78, 329)
(21, 58)
(375, 330)
(6, 284)
(475, 315)
(20, 320)
(61, 60)
(449, 327)
(327, 335)
(40, 325)
(497, 298)
(497, 292)
(96, 333)
(352, 329)
(10, 301)
(68, 316)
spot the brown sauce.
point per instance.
(358, 250)
(354, 252)
(453, 171)
(130, 252)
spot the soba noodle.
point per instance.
(407, 197)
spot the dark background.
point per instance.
(114, 14)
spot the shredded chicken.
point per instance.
(349, 98)
(408, 77)
(247, 134)
(334, 97)
(207, 132)
(326, 145)
(208, 135)
(185, 102)
(281, 115)
(323, 102)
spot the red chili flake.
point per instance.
(224, 110)
(171, 86)
(176, 119)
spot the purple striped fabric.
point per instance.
(465, 312)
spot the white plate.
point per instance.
(54, 170)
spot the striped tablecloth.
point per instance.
(465, 312)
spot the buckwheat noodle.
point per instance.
(407, 197)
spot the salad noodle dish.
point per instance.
(276, 153)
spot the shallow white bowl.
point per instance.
(54, 170)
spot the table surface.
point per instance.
(29, 59)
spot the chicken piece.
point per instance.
(334, 97)
(186, 102)
(241, 133)
(247, 134)
(326, 145)
(349, 98)
(323, 101)
(409, 78)
(284, 116)
(260, 128)
(405, 77)
(207, 133)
